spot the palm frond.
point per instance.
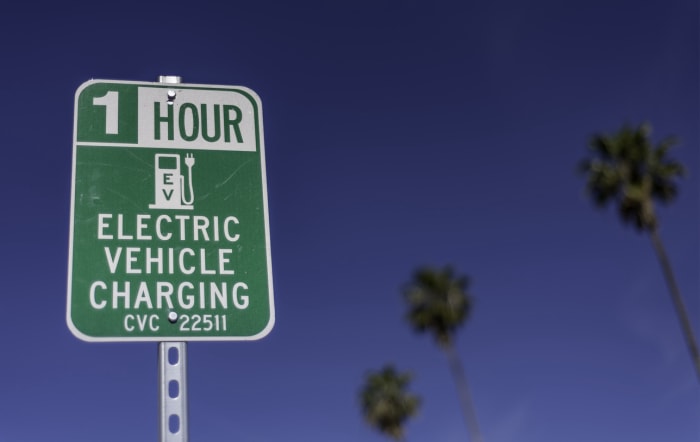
(438, 302)
(626, 168)
(386, 403)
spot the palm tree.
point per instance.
(439, 304)
(385, 403)
(628, 170)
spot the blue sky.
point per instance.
(397, 134)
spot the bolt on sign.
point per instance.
(169, 235)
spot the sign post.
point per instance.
(172, 371)
(169, 231)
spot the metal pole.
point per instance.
(172, 370)
(172, 357)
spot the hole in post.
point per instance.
(173, 389)
(174, 423)
(173, 355)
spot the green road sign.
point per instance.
(169, 237)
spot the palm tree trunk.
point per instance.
(677, 300)
(463, 391)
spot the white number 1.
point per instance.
(111, 103)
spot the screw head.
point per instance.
(172, 317)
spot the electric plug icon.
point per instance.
(189, 162)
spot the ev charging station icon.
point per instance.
(170, 184)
